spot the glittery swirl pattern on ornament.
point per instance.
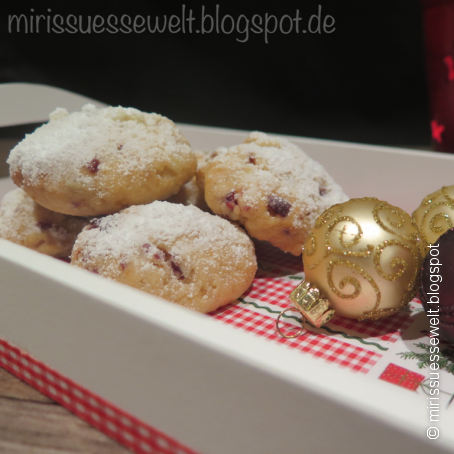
(434, 216)
(364, 256)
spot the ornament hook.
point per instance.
(306, 300)
(302, 321)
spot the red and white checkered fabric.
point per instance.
(114, 422)
(275, 290)
(349, 343)
(318, 345)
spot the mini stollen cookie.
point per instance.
(24, 222)
(271, 187)
(177, 252)
(99, 161)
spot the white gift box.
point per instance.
(160, 378)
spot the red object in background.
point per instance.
(439, 38)
(402, 377)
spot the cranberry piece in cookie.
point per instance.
(230, 200)
(93, 165)
(177, 270)
(277, 206)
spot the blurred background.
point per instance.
(363, 82)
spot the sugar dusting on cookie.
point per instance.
(77, 140)
(271, 187)
(99, 161)
(166, 247)
(281, 172)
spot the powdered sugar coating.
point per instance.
(271, 187)
(98, 161)
(24, 222)
(177, 252)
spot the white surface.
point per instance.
(22, 103)
(218, 390)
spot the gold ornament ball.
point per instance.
(363, 255)
(434, 216)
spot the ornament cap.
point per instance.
(307, 300)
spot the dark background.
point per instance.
(365, 82)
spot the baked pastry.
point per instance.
(99, 161)
(24, 222)
(271, 187)
(177, 252)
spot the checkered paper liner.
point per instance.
(275, 290)
(318, 345)
(348, 343)
(114, 422)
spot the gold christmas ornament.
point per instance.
(434, 216)
(363, 256)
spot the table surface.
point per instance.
(30, 423)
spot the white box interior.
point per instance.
(210, 386)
